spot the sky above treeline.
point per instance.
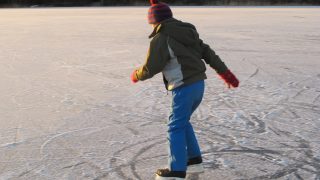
(18, 3)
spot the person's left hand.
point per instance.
(230, 79)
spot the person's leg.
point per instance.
(178, 121)
(193, 149)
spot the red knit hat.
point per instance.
(158, 12)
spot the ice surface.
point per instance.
(69, 111)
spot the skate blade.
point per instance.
(197, 168)
(168, 178)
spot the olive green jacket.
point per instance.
(177, 51)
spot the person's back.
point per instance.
(186, 51)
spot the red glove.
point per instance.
(230, 79)
(134, 77)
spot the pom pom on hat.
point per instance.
(154, 2)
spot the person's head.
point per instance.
(158, 12)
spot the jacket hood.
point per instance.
(185, 33)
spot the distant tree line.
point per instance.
(52, 3)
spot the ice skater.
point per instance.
(177, 51)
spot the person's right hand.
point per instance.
(134, 77)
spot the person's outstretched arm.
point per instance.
(212, 59)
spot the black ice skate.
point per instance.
(195, 165)
(166, 174)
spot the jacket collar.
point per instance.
(157, 29)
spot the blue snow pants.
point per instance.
(182, 141)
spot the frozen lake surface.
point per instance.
(69, 111)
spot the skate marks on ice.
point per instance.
(128, 169)
(60, 135)
(260, 123)
(105, 142)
